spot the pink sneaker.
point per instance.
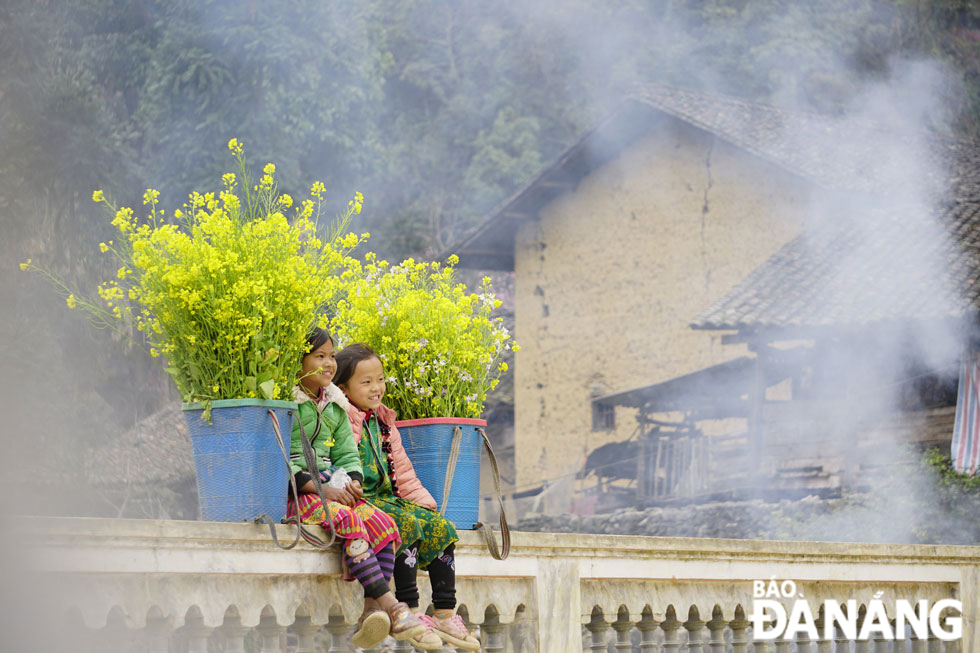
(453, 631)
(405, 624)
(429, 640)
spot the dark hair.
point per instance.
(316, 338)
(348, 358)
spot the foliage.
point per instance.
(437, 110)
(440, 345)
(227, 287)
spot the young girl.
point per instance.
(428, 539)
(368, 535)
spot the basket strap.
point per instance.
(314, 472)
(264, 518)
(451, 467)
(301, 530)
(504, 550)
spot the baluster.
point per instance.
(918, 645)
(306, 632)
(380, 647)
(197, 635)
(843, 644)
(270, 633)
(116, 638)
(671, 635)
(403, 645)
(783, 644)
(740, 636)
(760, 646)
(82, 639)
(157, 635)
(648, 632)
(695, 632)
(803, 642)
(937, 645)
(862, 646)
(233, 633)
(716, 628)
(464, 613)
(881, 645)
(824, 644)
(494, 635)
(340, 632)
(598, 627)
(623, 627)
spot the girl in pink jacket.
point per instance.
(390, 483)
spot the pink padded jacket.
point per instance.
(408, 484)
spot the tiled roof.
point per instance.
(873, 264)
(880, 266)
(156, 450)
(850, 154)
(842, 152)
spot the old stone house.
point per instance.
(628, 236)
(145, 472)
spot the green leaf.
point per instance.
(267, 388)
(250, 383)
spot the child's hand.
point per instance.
(355, 489)
(340, 496)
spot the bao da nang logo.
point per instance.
(770, 618)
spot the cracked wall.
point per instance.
(610, 275)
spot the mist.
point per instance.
(437, 112)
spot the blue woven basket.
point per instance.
(241, 473)
(427, 443)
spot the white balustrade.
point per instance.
(123, 586)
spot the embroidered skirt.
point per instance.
(363, 521)
(418, 524)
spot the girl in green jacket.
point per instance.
(369, 535)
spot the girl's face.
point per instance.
(366, 386)
(319, 367)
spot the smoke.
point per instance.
(413, 74)
(876, 245)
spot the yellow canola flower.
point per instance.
(225, 283)
(97, 196)
(269, 169)
(26, 264)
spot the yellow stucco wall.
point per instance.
(609, 277)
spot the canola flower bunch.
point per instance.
(226, 287)
(440, 345)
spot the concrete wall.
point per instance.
(610, 275)
(175, 586)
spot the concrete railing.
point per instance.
(170, 586)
